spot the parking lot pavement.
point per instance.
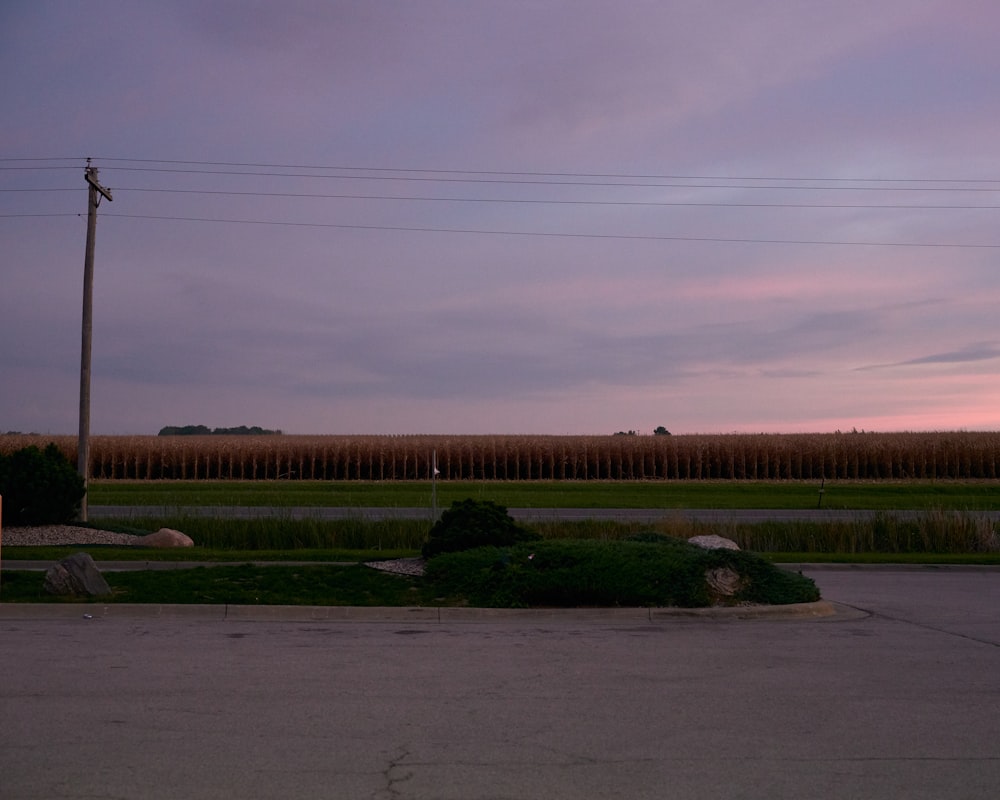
(894, 698)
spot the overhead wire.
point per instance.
(562, 235)
(556, 179)
(428, 174)
(536, 201)
(625, 182)
(553, 174)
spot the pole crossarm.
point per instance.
(90, 173)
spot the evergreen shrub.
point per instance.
(474, 523)
(39, 487)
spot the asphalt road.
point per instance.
(896, 696)
(524, 514)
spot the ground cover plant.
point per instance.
(572, 573)
(244, 584)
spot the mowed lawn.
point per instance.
(878, 495)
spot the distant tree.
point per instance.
(204, 430)
(626, 433)
(243, 430)
(661, 431)
(185, 430)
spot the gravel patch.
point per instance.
(51, 535)
(400, 566)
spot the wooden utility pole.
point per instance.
(95, 193)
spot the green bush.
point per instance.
(39, 487)
(474, 523)
(570, 573)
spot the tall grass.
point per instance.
(288, 534)
(848, 456)
(934, 532)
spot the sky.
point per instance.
(476, 217)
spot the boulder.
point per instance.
(714, 542)
(723, 582)
(165, 537)
(76, 576)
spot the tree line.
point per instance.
(204, 430)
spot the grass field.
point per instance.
(875, 495)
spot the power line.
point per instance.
(531, 201)
(548, 174)
(54, 158)
(429, 173)
(35, 169)
(535, 201)
(550, 234)
(539, 182)
(60, 214)
(310, 195)
(536, 179)
(693, 204)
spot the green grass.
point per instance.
(877, 495)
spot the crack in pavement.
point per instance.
(392, 779)
(923, 625)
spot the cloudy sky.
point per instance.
(447, 216)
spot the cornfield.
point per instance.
(859, 456)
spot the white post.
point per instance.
(434, 475)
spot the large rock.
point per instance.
(76, 576)
(165, 537)
(723, 582)
(714, 542)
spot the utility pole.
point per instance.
(95, 193)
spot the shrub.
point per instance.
(39, 487)
(594, 573)
(655, 537)
(474, 523)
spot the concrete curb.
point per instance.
(821, 609)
